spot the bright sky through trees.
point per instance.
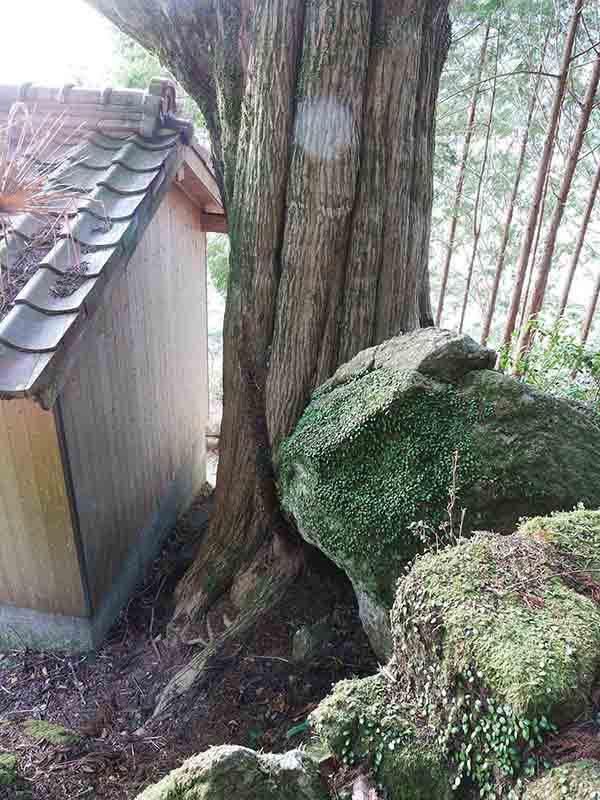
(54, 43)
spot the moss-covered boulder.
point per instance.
(224, 773)
(578, 780)
(8, 769)
(498, 641)
(367, 472)
(363, 721)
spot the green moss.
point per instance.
(498, 650)
(47, 733)
(575, 534)
(379, 450)
(363, 719)
(8, 769)
(579, 780)
(223, 773)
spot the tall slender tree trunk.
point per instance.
(460, 183)
(564, 298)
(539, 290)
(538, 236)
(506, 231)
(476, 212)
(542, 172)
(590, 310)
(321, 116)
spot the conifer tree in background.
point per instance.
(461, 175)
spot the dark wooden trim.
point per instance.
(68, 476)
(214, 223)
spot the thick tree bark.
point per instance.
(460, 183)
(506, 231)
(539, 289)
(564, 298)
(543, 168)
(321, 116)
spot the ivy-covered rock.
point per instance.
(497, 639)
(227, 772)
(578, 779)
(363, 720)
(367, 473)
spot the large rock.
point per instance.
(496, 648)
(498, 640)
(227, 772)
(367, 472)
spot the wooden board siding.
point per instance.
(39, 567)
(135, 407)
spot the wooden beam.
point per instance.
(214, 223)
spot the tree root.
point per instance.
(254, 591)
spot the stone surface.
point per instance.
(498, 640)
(227, 772)
(496, 650)
(367, 472)
(578, 780)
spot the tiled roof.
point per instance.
(122, 163)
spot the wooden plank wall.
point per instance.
(39, 567)
(135, 407)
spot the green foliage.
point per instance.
(8, 769)
(365, 719)
(518, 29)
(42, 731)
(134, 65)
(217, 257)
(134, 68)
(557, 363)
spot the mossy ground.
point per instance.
(575, 534)
(8, 769)
(42, 731)
(362, 721)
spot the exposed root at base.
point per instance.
(255, 590)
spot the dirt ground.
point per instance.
(257, 695)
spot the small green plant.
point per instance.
(449, 530)
(557, 363)
(489, 744)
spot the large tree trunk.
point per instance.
(321, 115)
